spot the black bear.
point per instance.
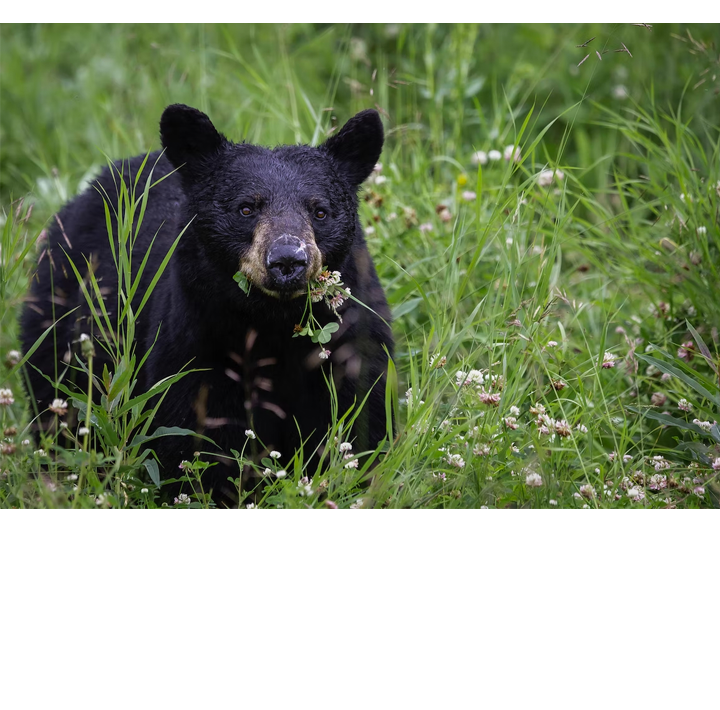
(261, 226)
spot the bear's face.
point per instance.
(277, 215)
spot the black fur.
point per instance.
(255, 373)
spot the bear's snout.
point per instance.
(287, 262)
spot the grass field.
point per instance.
(545, 223)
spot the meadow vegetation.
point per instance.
(544, 220)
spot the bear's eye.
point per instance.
(247, 210)
(320, 214)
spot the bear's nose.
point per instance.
(287, 260)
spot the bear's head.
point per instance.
(277, 215)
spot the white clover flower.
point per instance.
(480, 157)
(456, 460)
(660, 463)
(438, 361)
(346, 446)
(489, 398)
(581, 428)
(512, 152)
(251, 506)
(484, 450)
(702, 230)
(460, 377)
(705, 426)
(609, 360)
(494, 155)
(72, 477)
(250, 434)
(83, 431)
(6, 397)
(469, 196)
(533, 480)
(12, 358)
(324, 354)
(511, 423)
(441, 476)
(59, 406)
(620, 92)
(426, 227)
(562, 428)
(587, 491)
(380, 179)
(684, 405)
(636, 493)
(552, 501)
(275, 454)
(267, 472)
(40, 452)
(352, 464)
(182, 499)
(552, 343)
(184, 465)
(474, 377)
(716, 462)
(281, 473)
(357, 504)
(144, 490)
(515, 411)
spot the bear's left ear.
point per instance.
(188, 135)
(357, 147)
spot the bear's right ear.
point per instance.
(188, 135)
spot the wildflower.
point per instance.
(515, 411)
(537, 409)
(330, 504)
(182, 499)
(474, 377)
(469, 196)
(658, 399)
(185, 466)
(83, 431)
(352, 464)
(562, 428)
(250, 434)
(345, 446)
(484, 450)
(612, 456)
(533, 480)
(316, 295)
(102, 499)
(684, 405)
(609, 360)
(59, 406)
(12, 358)
(545, 178)
(6, 397)
(267, 472)
(552, 343)
(456, 460)
(635, 493)
(426, 227)
(444, 213)
(705, 426)
(305, 487)
(7, 448)
(552, 501)
(558, 385)
(357, 504)
(480, 157)
(324, 354)
(494, 155)
(489, 398)
(587, 491)
(581, 428)
(512, 152)
(686, 351)
(620, 92)
(660, 463)
(511, 423)
(438, 361)
(144, 491)
(275, 454)
(86, 346)
(250, 506)
(441, 476)
(699, 490)
(716, 462)
(702, 230)
(657, 482)
(281, 473)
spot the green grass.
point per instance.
(621, 255)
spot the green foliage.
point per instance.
(527, 276)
